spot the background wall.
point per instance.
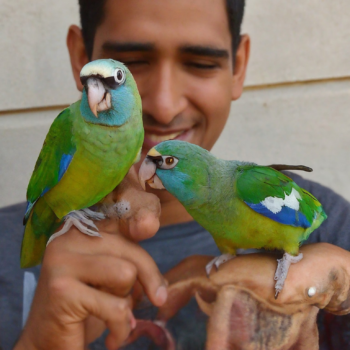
(295, 108)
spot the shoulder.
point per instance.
(336, 229)
(323, 193)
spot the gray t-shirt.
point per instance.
(168, 247)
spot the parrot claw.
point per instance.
(80, 219)
(218, 261)
(282, 270)
(94, 215)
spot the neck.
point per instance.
(221, 181)
(173, 212)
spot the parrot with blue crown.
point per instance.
(87, 152)
(242, 205)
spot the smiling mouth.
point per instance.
(160, 138)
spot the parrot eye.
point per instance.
(119, 76)
(169, 162)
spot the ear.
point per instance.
(77, 53)
(240, 68)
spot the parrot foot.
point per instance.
(218, 261)
(80, 219)
(94, 215)
(282, 270)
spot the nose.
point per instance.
(164, 98)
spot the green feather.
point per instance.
(42, 222)
(58, 142)
(255, 183)
(219, 191)
(100, 153)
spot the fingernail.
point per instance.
(162, 295)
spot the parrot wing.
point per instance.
(53, 161)
(276, 196)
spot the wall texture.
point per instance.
(294, 108)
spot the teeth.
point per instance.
(161, 138)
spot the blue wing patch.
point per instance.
(45, 190)
(30, 205)
(64, 163)
(286, 216)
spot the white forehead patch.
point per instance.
(105, 68)
(275, 204)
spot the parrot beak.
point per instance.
(147, 172)
(98, 97)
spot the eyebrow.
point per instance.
(128, 46)
(206, 51)
(197, 50)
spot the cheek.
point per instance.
(214, 101)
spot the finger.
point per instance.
(114, 311)
(148, 273)
(110, 273)
(93, 328)
(145, 225)
(116, 246)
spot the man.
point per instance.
(189, 62)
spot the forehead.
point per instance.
(165, 22)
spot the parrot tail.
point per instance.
(42, 223)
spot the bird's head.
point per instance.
(179, 167)
(110, 93)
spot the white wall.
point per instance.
(34, 69)
(298, 40)
(294, 109)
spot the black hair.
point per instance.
(92, 15)
(235, 12)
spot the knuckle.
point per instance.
(127, 273)
(120, 310)
(59, 287)
(118, 274)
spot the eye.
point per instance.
(119, 76)
(169, 162)
(202, 66)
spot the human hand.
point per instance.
(239, 297)
(136, 211)
(85, 283)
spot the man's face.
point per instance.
(180, 55)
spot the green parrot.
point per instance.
(243, 205)
(87, 152)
